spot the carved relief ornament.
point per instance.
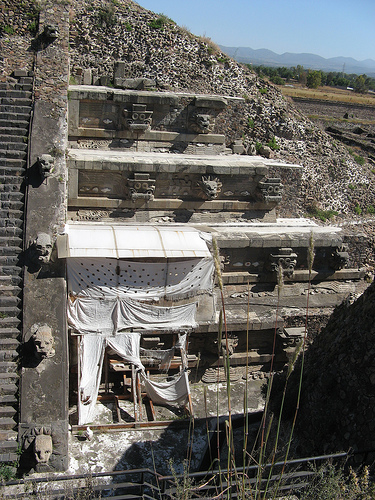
(141, 187)
(271, 189)
(211, 186)
(286, 259)
(138, 119)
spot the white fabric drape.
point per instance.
(109, 316)
(92, 348)
(91, 354)
(127, 346)
(172, 279)
(174, 391)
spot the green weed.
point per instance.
(273, 144)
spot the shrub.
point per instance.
(33, 27)
(358, 210)
(322, 215)
(128, 27)
(107, 16)
(370, 209)
(351, 186)
(9, 30)
(273, 144)
(160, 22)
(250, 123)
(359, 159)
(263, 91)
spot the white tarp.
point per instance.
(174, 280)
(126, 241)
(109, 316)
(173, 391)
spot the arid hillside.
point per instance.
(155, 47)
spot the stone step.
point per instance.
(9, 301)
(10, 250)
(10, 153)
(23, 124)
(9, 333)
(12, 162)
(10, 323)
(10, 290)
(25, 79)
(8, 399)
(10, 241)
(15, 222)
(24, 86)
(11, 204)
(9, 311)
(14, 138)
(7, 188)
(9, 344)
(15, 117)
(8, 355)
(11, 231)
(8, 367)
(13, 376)
(14, 108)
(10, 280)
(19, 94)
(7, 423)
(14, 271)
(9, 213)
(9, 457)
(13, 131)
(8, 447)
(11, 171)
(8, 260)
(16, 101)
(6, 195)
(11, 179)
(7, 412)
(12, 146)
(7, 389)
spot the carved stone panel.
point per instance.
(339, 257)
(286, 259)
(98, 115)
(141, 187)
(210, 186)
(271, 189)
(137, 118)
(108, 184)
(200, 122)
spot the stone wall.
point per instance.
(44, 390)
(338, 400)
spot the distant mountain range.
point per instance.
(308, 61)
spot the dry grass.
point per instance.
(328, 94)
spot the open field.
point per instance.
(328, 94)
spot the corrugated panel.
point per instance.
(121, 242)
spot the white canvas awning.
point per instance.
(124, 242)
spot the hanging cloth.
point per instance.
(91, 352)
(146, 281)
(174, 391)
(110, 316)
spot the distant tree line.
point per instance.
(314, 79)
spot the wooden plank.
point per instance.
(134, 394)
(139, 396)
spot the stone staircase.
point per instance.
(15, 112)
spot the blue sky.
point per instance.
(328, 28)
